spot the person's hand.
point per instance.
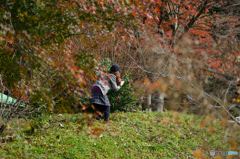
(122, 82)
(117, 74)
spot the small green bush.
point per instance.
(123, 99)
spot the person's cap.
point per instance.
(115, 68)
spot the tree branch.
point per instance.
(220, 73)
(192, 21)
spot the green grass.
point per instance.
(130, 135)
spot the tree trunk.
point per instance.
(159, 102)
(149, 97)
(156, 100)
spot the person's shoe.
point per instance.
(106, 122)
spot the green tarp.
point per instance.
(8, 100)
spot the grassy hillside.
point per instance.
(130, 135)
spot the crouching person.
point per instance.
(111, 80)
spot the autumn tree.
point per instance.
(39, 64)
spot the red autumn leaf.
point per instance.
(134, 14)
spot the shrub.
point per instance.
(123, 99)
